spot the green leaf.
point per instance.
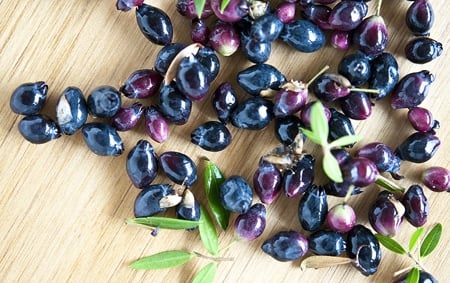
(431, 240)
(311, 135)
(224, 5)
(163, 260)
(199, 6)
(208, 233)
(414, 238)
(345, 140)
(413, 276)
(163, 222)
(206, 274)
(319, 123)
(390, 244)
(331, 167)
(213, 179)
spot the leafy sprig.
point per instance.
(200, 6)
(427, 246)
(319, 135)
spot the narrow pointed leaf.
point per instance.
(224, 5)
(319, 123)
(345, 140)
(163, 260)
(431, 240)
(415, 238)
(199, 6)
(213, 178)
(390, 244)
(163, 222)
(208, 233)
(206, 274)
(312, 136)
(413, 276)
(331, 167)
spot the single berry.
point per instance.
(251, 224)
(341, 218)
(39, 129)
(29, 98)
(436, 179)
(286, 246)
(71, 110)
(142, 164)
(178, 167)
(102, 139)
(236, 194)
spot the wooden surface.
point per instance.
(62, 208)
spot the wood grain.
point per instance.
(62, 208)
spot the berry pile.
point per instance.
(183, 74)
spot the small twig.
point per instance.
(217, 259)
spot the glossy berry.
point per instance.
(340, 40)
(326, 243)
(419, 147)
(305, 114)
(420, 17)
(365, 248)
(166, 55)
(381, 155)
(250, 225)
(142, 164)
(424, 277)
(211, 136)
(285, 11)
(208, 58)
(360, 171)
(255, 113)
(147, 202)
(266, 28)
(356, 68)
(422, 120)
(260, 77)
(187, 9)
(156, 125)
(126, 5)
(339, 125)
(174, 105)
(411, 90)
(71, 110)
(313, 208)
(188, 208)
(341, 155)
(340, 189)
(224, 38)
(127, 117)
(416, 206)
(318, 14)
(299, 178)
(436, 178)
(287, 128)
(356, 105)
(224, 101)
(341, 218)
(235, 194)
(154, 24)
(235, 10)
(303, 35)
(142, 84)
(422, 50)
(254, 50)
(192, 78)
(371, 36)
(178, 167)
(290, 99)
(38, 129)
(329, 87)
(199, 31)
(347, 15)
(386, 214)
(286, 246)
(28, 98)
(384, 74)
(104, 101)
(267, 182)
(102, 139)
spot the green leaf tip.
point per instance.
(208, 233)
(391, 244)
(431, 240)
(162, 260)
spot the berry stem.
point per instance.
(216, 259)
(349, 193)
(323, 70)
(366, 90)
(388, 184)
(378, 7)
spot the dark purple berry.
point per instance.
(256, 51)
(250, 225)
(29, 98)
(192, 78)
(266, 28)
(174, 105)
(178, 167)
(39, 129)
(298, 178)
(339, 125)
(422, 120)
(340, 189)
(156, 125)
(267, 182)
(382, 155)
(365, 248)
(356, 105)
(303, 36)
(188, 208)
(424, 277)
(371, 36)
(411, 90)
(317, 14)
(347, 15)
(127, 5)
(187, 9)
(360, 171)
(285, 11)
(422, 50)
(142, 84)
(286, 246)
(313, 208)
(166, 55)
(147, 202)
(356, 68)
(235, 194)
(329, 87)
(326, 243)
(341, 218)
(260, 77)
(224, 101)
(235, 10)
(416, 206)
(436, 178)
(104, 102)
(386, 214)
(102, 139)
(305, 114)
(211, 136)
(208, 58)
(287, 128)
(71, 110)
(340, 40)
(224, 38)
(142, 164)
(154, 24)
(420, 17)
(384, 74)
(418, 147)
(290, 99)
(255, 113)
(199, 31)
(127, 117)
